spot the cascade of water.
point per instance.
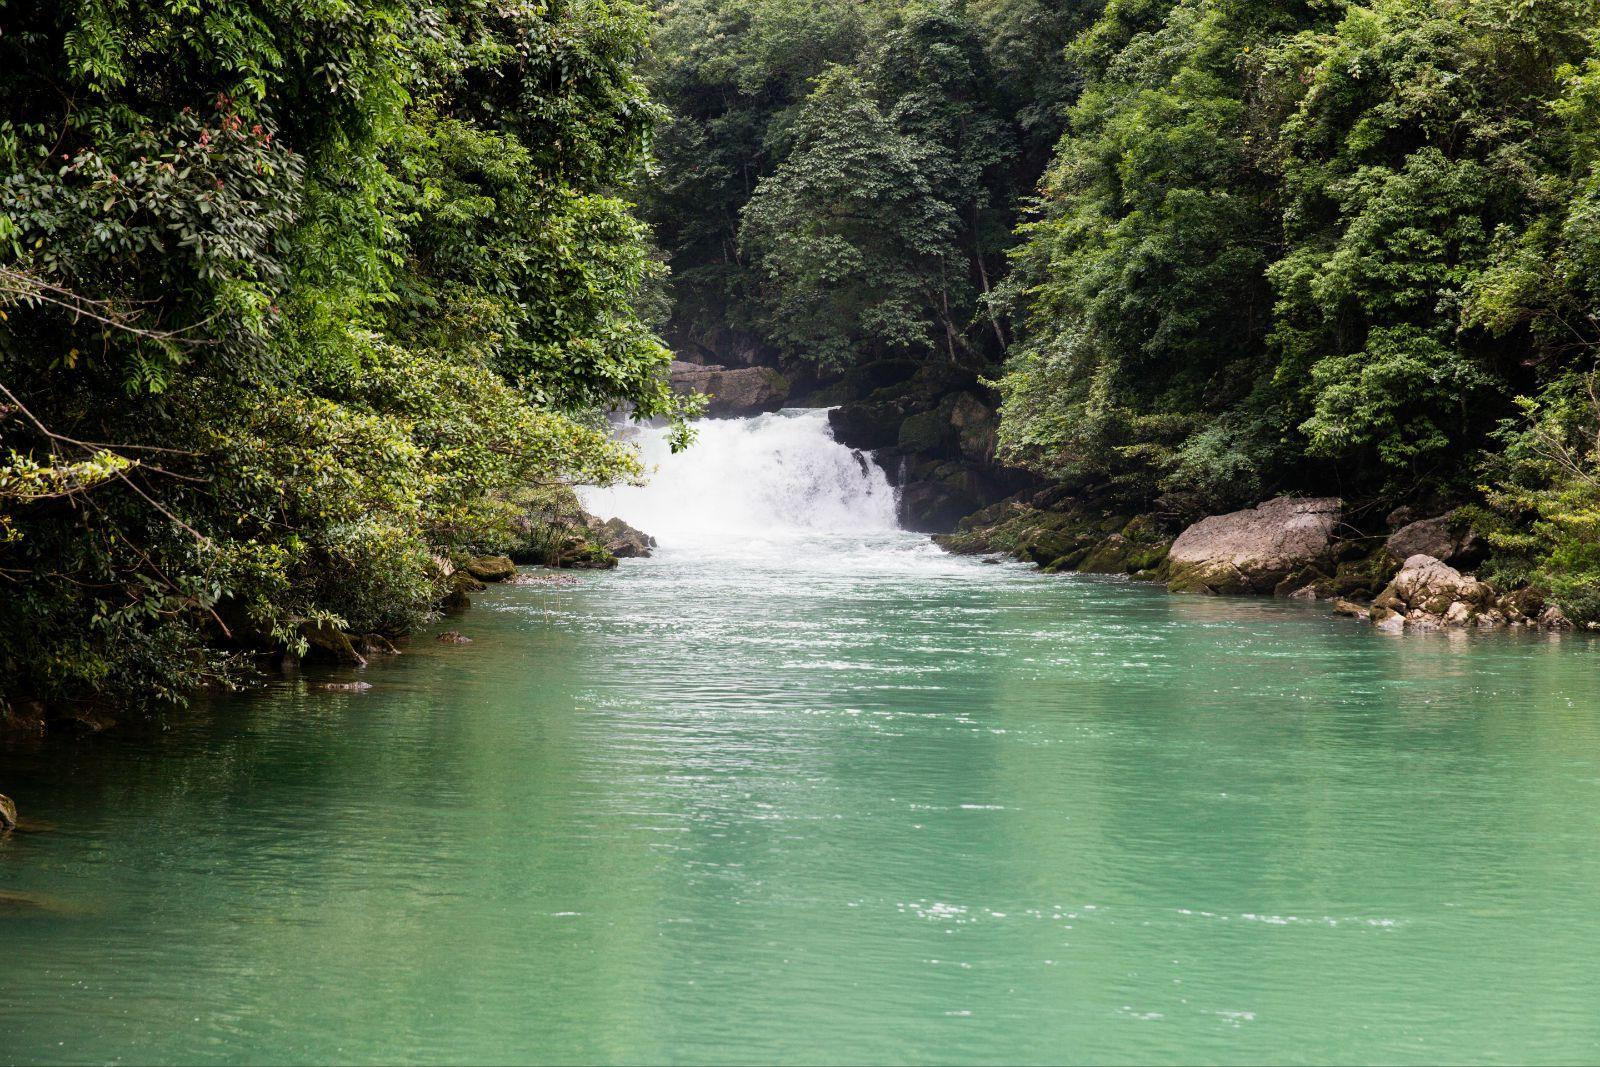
(770, 477)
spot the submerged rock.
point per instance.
(1255, 550)
(1389, 622)
(24, 905)
(346, 687)
(454, 637)
(620, 539)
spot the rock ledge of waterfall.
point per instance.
(732, 392)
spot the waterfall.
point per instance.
(771, 478)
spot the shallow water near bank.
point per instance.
(813, 791)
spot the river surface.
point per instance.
(801, 788)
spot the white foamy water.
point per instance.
(766, 480)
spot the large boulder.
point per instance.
(620, 539)
(1425, 537)
(1255, 550)
(1444, 537)
(868, 425)
(1429, 594)
(734, 392)
(491, 568)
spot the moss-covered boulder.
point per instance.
(327, 643)
(928, 432)
(490, 568)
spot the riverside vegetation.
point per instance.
(308, 305)
(1172, 259)
(303, 305)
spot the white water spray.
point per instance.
(772, 478)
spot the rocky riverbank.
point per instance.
(1406, 575)
(554, 533)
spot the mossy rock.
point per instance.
(1188, 581)
(927, 431)
(1360, 578)
(327, 642)
(491, 568)
(579, 553)
(1108, 557)
(1072, 561)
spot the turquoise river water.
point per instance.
(824, 794)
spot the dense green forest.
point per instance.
(297, 297)
(1209, 250)
(301, 297)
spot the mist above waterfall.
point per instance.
(772, 477)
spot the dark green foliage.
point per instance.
(850, 235)
(297, 297)
(841, 179)
(1314, 248)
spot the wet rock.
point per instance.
(454, 637)
(867, 425)
(733, 392)
(328, 643)
(1255, 550)
(976, 425)
(579, 552)
(346, 687)
(490, 568)
(1523, 604)
(23, 718)
(1553, 618)
(374, 645)
(1350, 608)
(620, 539)
(1433, 595)
(1389, 622)
(928, 432)
(8, 814)
(77, 721)
(1430, 585)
